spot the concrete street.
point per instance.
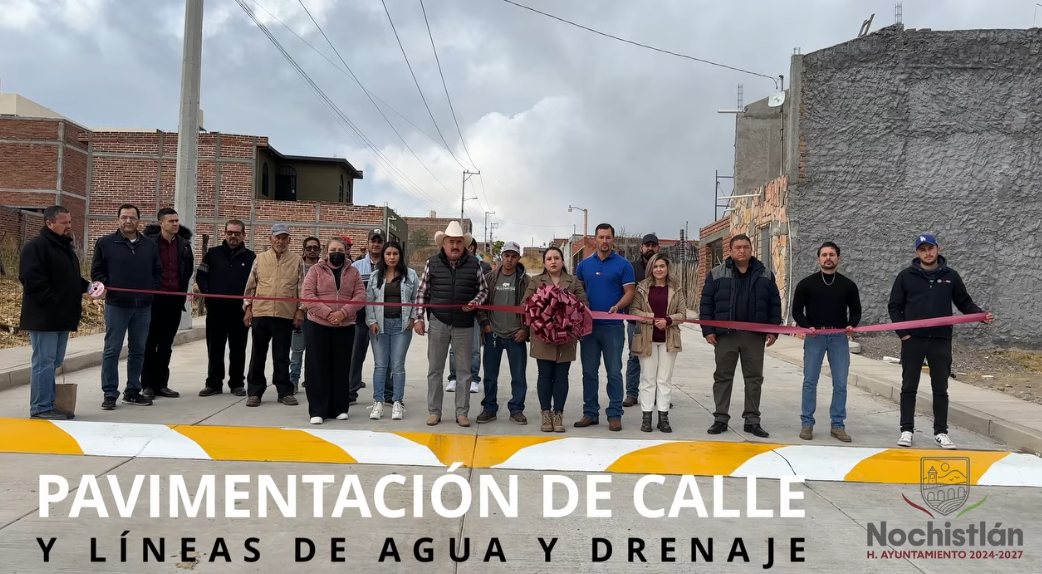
(834, 529)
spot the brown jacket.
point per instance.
(558, 353)
(676, 309)
(273, 276)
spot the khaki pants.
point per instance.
(439, 336)
(656, 378)
(749, 347)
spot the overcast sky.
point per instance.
(551, 114)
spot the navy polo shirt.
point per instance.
(604, 281)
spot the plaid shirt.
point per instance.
(423, 293)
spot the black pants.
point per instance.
(159, 345)
(358, 349)
(328, 387)
(224, 326)
(749, 348)
(938, 355)
(278, 332)
(552, 384)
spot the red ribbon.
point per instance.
(602, 315)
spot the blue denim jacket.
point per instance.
(374, 314)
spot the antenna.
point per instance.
(776, 100)
(898, 13)
(866, 26)
(740, 94)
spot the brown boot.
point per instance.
(547, 423)
(558, 421)
(585, 422)
(629, 402)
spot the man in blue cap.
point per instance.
(925, 290)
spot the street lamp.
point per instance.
(585, 219)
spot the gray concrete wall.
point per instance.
(906, 132)
(758, 146)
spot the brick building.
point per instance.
(46, 159)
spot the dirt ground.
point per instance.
(1014, 372)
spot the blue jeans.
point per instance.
(120, 322)
(632, 364)
(48, 355)
(606, 340)
(552, 384)
(390, 348)
(837, 346)
(517, 357)
(296, 357)
(475, 357)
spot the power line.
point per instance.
(444, 85)
(355, 78)
(638, 44)
(364, 143)
(417, 82)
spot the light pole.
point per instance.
(585, 219)
(487, 213)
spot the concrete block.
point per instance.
(969, 418)
(855, 347)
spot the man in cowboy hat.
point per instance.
(453, 277)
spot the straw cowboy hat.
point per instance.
(453, 230)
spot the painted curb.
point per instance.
(982, 423)
(534, 453)
(19, 376)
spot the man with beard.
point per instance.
(175, 253)
(475, 360)
(822, 301)
(925, 290)
(648, 247)
(275, 274)
(52, 305)
(224, 270)
(451, 277)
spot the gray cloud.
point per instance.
(557, 114)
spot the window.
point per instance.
(341, 188)
(286, 184)
(264, 179)
(765, 247)
(716, 248)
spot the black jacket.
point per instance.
(119, 263)
(718, 296)
(184, 247)
(52, 286)
(920, 294)
(452, 286)
(225, 271)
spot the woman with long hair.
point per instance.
(390, 326)
(329, 330)
(554, 361)
(656, 340)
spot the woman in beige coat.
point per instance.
(553, 361)
(656, 340)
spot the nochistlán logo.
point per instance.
(945, 486)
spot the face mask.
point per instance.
(336, 259)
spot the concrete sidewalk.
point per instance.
(82, 353)
(989, 413)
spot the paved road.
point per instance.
(858, 487)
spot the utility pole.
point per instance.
(487, 213)
(188, 127)
(463, 195)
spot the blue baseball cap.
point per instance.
(925, 238)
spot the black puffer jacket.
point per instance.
(184, 247)
(718, 296)
(119, 263)
(52, 286)
(921, 294)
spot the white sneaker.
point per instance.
(316, 420)
(377, 411)
(451, 387)
(341, 417)
(397, 411)
(944, 442)
(906, 439)
(475, 387)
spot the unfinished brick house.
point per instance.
(47, 159)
